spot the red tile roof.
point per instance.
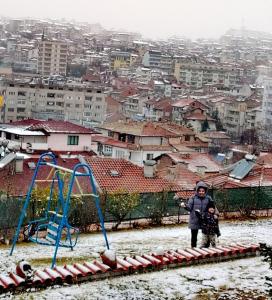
(181, 176)
(222, 180)
(261, 176)
(265, 158)
(109, 141)
(183, 102)
(164, 104)
(52, 126)
(21, 182)
(195, 160)
(131, 177)
(146, 128)
(25, 123)
(177, 129)
(151, 129)
(185, 194)
(198, 116)
(115, 143)
(61, 127)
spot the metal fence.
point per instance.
(151, 206)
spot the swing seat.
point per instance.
(69, 234)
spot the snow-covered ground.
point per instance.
(228, 280)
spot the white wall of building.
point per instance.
(60, 142)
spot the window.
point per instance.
(10, 109)
(98, 99)
(50, 95)
(122, 137)
(149, 156)
(130, 138)
(107, 149)
(21, 93)
(187, 138)
(110, 133)
(73, 140)
(20, 110)
(89, 98)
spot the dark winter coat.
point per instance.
(209, 224)
(197, 203)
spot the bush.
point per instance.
(120, 203)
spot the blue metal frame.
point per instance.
(65, 204)
(89, 173)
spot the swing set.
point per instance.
(54, 223)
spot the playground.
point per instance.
(226, 278)
(55, 243)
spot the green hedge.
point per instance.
(152, 206)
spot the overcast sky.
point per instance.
(152, 18)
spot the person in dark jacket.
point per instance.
(209, 225)
(198, 202)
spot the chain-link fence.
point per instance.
(153, 206)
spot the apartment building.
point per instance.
(157, 60)
(52, 58)
(267, 102)
(120, 59)
(152, 59)
(197, 74)
(77, 104)
(133, 105)
(234, 121)
(241, 115)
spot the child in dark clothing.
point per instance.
(209, 226)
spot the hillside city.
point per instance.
(151, 124)
(193, 107)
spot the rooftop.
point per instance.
(147, 129)
(52, 126)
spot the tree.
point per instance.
(218, 123)
(83, 212)
(250, 136)
(158, 210)
(120, 203)
(10, 208)
(205, 125)
(39, 200)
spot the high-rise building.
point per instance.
(77, 104)
(267, 102)
(52, 58)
